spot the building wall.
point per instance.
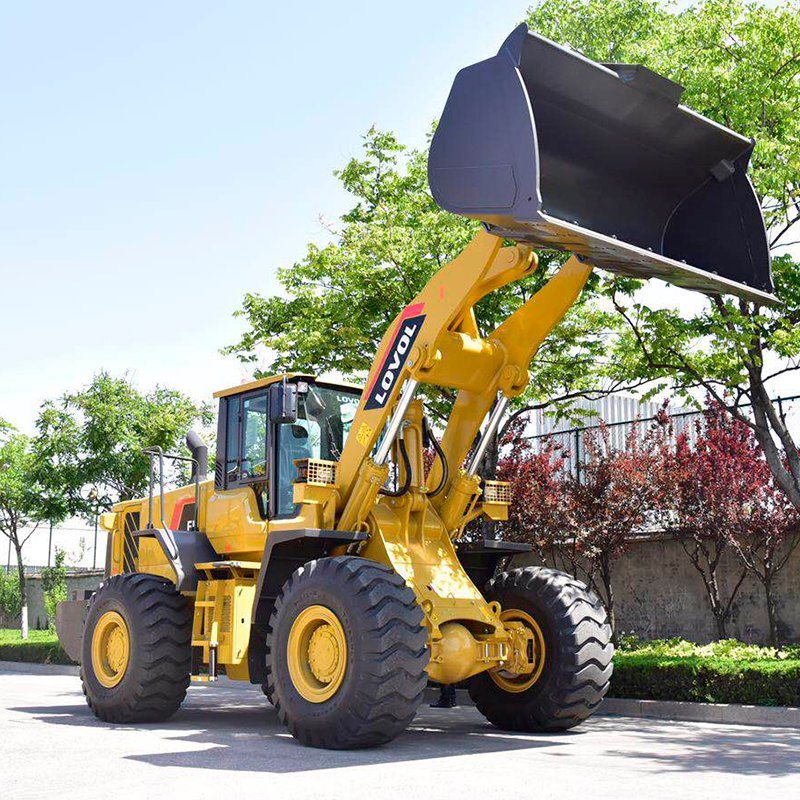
(659, 594)
(77, 582)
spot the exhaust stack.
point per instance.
(199, 452)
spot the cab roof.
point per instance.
(290, 376)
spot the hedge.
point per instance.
(722, 672)
(642, 671)
(41, 647)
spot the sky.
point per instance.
(159, 160)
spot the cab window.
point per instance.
(324, 417)
(246, 438)
(255, 417)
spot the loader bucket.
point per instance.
(545, 146)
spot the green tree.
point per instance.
(57, 465)
(21, 510)
(87, 452)
(110, 421)
(740, 64)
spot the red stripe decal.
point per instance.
(178, 510)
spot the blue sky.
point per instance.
(159, 160)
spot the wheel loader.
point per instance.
(299, 565)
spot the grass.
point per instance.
(41, 647)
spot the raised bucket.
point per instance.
(545, 146)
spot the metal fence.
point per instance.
(571, 440)
(84, 546)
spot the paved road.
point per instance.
(227, 743)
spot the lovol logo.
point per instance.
(396, 356)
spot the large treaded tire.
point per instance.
(387, 654)
(578, 654)
(159, 623)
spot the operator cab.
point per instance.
(265, 426)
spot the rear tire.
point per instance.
(370, 690)
(578, 652)
(136, 649)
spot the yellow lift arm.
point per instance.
(435, 341)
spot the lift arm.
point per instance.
(435, 341)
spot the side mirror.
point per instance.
(283, 402)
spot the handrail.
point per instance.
(164, 534)
(156, 451)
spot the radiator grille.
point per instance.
(496, 492)
(316, 471)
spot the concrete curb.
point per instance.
(38, 669)
(720, 713)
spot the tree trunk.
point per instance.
(612, 615)
(772, 612)
(783, 461)
(23, 592)
(720, 610)
(719, 619)
(605, 573)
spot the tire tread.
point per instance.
(157, 686)
(582, 669)
(392, 684)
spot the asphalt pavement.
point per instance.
(226, 742)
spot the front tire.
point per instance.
(346, 654)
(577, 653)
(136, 649)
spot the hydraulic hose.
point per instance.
(439, 452)
(407, 482)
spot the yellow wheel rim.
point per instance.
(317, 654)
(111, 649)
(514, 682)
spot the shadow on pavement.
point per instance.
(235, 729)
(707, 747)
(236, 733)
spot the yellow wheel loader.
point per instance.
(299, 565)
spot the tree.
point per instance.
(707, 493)
(726, 499)
(583, 522)
(768, 537)
(540, 509)
(114, 421)
(20, 506)
(56, 465)
(740, 64)
(611, 499)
